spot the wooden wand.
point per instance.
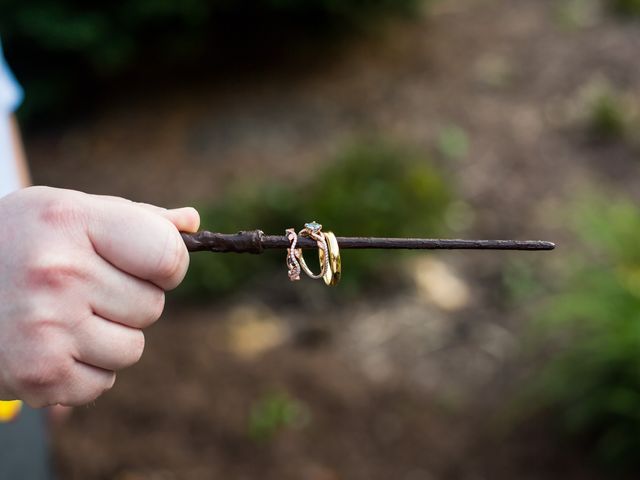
(255, 241)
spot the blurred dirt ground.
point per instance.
(413, 386)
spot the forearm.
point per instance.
(19, 155)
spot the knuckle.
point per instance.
(53, 272)
(44, 375)
(60, 210)
(40, 321)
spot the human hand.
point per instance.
(80, 277)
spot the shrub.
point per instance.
(609, 114)
(371, 189)
(592, 384)
(626, 7)
(61, 48)
(608, 117)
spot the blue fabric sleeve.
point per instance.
(10, 98)
(10, 92)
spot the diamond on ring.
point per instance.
(313, 226)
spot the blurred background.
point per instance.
(451, 118)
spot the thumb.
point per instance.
(185, 219)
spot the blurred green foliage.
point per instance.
(60, 49)
(370, 189)
(626, 7)
(575, 14)
(585, 13)
(520, 280)
(274, 412)
(592, 382)
(453, 142)
(608, 118)
(610, 114)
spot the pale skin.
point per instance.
(19, 157)
(82, 277)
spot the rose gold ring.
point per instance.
(314, 230)
(293, 266)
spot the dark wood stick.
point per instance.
(255, 241)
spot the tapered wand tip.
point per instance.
(547, 245)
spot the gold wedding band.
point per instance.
(334, 272)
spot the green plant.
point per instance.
(274, 412)
(592, 382)
(608, 117)
(626, 7)
(370, 189)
